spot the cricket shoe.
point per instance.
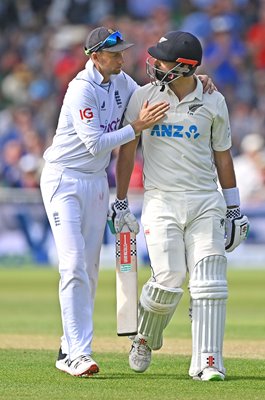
(83, 366)
(140, 355)
(209, 374)
(62, 362)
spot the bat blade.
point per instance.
(126, 283)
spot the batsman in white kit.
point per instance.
(75, 189)
(188, 223)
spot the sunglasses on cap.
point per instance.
(110, 41)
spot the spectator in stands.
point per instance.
(225, 54)
(256, 39)
(30, 167)
(140, 9)
(244, 119)
(34, 66)
(11, 154)
(249, 168)
(259, 87)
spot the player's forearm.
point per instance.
(225, 169)
(110, 140)
(124, 168)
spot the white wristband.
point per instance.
(231, 196)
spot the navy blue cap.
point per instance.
(177, 44)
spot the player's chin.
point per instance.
(117, 70)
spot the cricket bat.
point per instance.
(126, 283)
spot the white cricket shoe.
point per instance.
(140, 355)
(62, 362)
(83, 366)
(210, 374)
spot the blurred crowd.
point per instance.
(41, 50)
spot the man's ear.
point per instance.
(94, 57)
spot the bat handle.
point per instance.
(111, 226)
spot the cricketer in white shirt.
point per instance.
(184, 215)
(75, 188)
(178, 151)
(183, 218)
(89, 115)
(179, 172)
(76, 194)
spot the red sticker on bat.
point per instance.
(125, 247)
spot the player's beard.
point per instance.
(117, 70)
(162, 76)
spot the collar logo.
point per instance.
(193, 108)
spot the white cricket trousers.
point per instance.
(76, 204)
(181, 228)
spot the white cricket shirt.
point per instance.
(178, 151)
(90, 121)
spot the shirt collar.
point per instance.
(196, 94)
(94, 74)
(198, 91)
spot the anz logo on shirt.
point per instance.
(175, 131)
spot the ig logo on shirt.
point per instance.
(86, 113)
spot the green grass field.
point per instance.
(30, 330)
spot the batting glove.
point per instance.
(119, 215)
(236, 228)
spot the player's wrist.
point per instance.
(233, 213)
(231, 197)
(137, 127)
(121, 204)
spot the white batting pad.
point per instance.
(157, 306)
(208, 290)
